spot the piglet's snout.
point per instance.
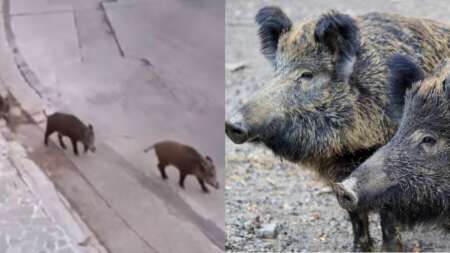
(347, 197)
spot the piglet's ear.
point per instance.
(403, 73)
(208, 158)
(340, 35)
(272, 23)
(90, 127)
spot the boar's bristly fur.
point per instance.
(328, 106)
(415, 163)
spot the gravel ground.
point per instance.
(265, 195)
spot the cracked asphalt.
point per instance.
(262, 190)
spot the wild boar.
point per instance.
(188, 162)
(410, 175)
(72, 127)
(328, 106)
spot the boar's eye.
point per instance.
(307, 75)
(428, 140)
(427, 143)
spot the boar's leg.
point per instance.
(361, 236)
(202, 184)
(390, 229)
(162, 169)
(182, 178)
(60, 137)
(74, 144)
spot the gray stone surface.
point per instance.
(26, 225)
(265, 189)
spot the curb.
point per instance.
(55, 205)
(12, 81)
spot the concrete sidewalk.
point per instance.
(140, 71)
(34, 217)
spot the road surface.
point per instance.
(140, 71)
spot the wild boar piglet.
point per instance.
(187, 160)
(70, 126)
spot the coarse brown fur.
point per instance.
(381, 36)
(328, 106)
(70, 126)
(187, 160)
(410, 174)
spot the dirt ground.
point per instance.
(261, 190)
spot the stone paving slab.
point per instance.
(138, 27)
(95, 36)
(25, 7)
(30, 221)
(34, 33)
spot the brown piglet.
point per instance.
(187, 160)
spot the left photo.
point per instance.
(111, 126)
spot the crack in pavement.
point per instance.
(111, 29)
(80, 46)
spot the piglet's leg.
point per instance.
(162, 169)
(47, 135)
(202, 184)
(75, 148)
(60, 137)
(182, 178)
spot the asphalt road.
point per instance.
(140, 71)
(262, 190)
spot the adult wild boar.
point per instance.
(327, 105)
(410, 175)
(187, 160)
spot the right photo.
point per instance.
(337, 116)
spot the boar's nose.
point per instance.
(347, 198)
(236, 131)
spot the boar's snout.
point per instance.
(347, 197)
(237, 131)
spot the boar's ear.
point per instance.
(340, 35)
(91, 127)
(403, 72)
(208, 158)
(272, 23)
